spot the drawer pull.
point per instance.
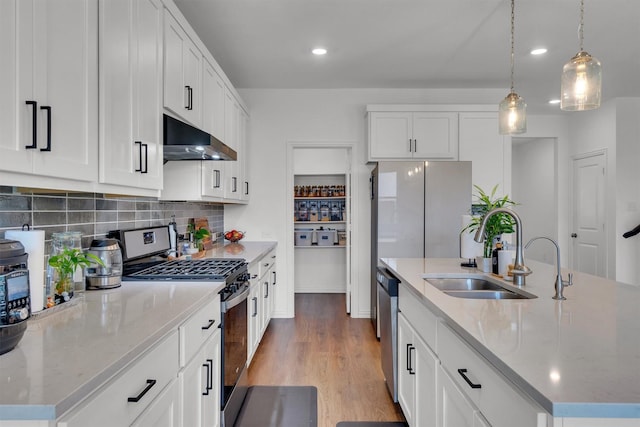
(208, 386)
(462, 373)
(150, 383)
(209, 325)
(411, 371)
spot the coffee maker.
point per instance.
(107, 276)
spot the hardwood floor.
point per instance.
(324, 347)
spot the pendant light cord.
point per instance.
(581, 27)
(512, 42)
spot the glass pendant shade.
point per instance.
(581, 83)
(512, 115)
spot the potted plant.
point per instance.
(198, 235)
(65, 263)
(497, 225)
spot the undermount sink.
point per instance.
(476, 287)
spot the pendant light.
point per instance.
(581, 78)
(512, 115)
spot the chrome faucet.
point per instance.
(560, 283)
(520, 271)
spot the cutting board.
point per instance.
(199, 223)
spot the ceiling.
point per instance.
(418, 43)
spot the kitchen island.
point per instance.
(576, 359)
(68, 353)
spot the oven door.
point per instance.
(234, 355)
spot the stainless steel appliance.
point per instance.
(110, 274)
(388, 313)
(185, 142)
(15, 303)
(415, 212)
(230, 271)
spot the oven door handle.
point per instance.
(229, 304)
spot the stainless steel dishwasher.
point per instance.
(388, 315)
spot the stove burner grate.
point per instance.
(211, 268)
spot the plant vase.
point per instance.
(484, 264)
(64, 287)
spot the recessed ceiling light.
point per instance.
(538, 51)
(554, 101)
(319, 51)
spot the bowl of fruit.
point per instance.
(234, 235)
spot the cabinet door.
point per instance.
(200, 385)
(435, 135)
(182, 67)
(15, 115)
(131, 84)
(253, 312)
(390, 135)
(66, 88)
(272, 291)
(212, 101)
(489, 151)
(406, 377)
(213, 178)
(243, 159)
(425, 366)
(163, 411)
(455, 409)
(265, 289)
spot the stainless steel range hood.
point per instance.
(185, 142)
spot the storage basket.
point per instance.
(303, 236)
(326, 237)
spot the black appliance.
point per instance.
(185, 142)
(232, 272)
(15, 303)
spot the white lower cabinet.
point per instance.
(200, 386)
(163, 411)
(455, 409)
(132, 392)
(417, 377)
(253, 313)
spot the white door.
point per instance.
(588, 233)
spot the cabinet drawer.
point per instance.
(195, 331)
(496, 398)
(160, 364)
(423, 320)
(267, 262)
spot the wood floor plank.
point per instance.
(324, 347)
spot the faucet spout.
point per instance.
(520, 271)
(560, 283)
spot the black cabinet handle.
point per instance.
(186, 101)
(146, 158)
(48, 110)
(411, 371)
(409, 357)
(208, 386)
(216, 174)
(150, 383)
(190, 98)
(234, 184)
(209, 325)
(266, 288)
(246, 188)
(462, 373)
(255, 306)
(34, 125)
(274, 277)
(574, 235)
(210, 379)
(139, 155)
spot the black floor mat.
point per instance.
(371, 424)
(279, 406)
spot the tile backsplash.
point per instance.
(94, 214)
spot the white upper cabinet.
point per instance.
(413, 135)
(213, 96)
(243, 158)
(182, 68)
(49, 88)
(489, 152)
(131, 93)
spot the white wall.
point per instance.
(533, 187)
(281, 116)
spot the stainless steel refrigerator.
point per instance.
(416, 210)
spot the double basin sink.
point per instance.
(475, 286)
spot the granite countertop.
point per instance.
(576, 358)
(66, 354)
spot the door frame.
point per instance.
(607, 229)
(353, 238)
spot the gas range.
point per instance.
(217, 269)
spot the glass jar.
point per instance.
(63, 283)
